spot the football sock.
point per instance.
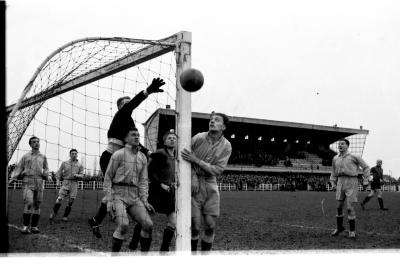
(56, 208)
(135, 237)
(167, 237)
(116, 244)
(67, 211)
(366, 199)
(145, 243)
(26, 219)
(205, 246)
(35, 220)
(380, 201)
(352, 225)
(194, 244)
(101, 213)
(339, 222)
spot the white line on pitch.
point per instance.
(52, 238)
(321, 228)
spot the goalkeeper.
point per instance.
(120, 124)
(70, 172)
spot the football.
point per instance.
(191, 80)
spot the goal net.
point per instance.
(69, 104)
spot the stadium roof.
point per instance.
(253, 127)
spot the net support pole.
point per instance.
(184, 131)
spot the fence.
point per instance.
(98, 185)
(227, 187)
(82, 185)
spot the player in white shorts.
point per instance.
(69, 172)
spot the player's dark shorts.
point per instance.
(104, 159)
(375, 185)
(162, 201)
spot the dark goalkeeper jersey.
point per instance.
(123, 118)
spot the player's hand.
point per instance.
(149, 207)
(165, 187)
(155, 86)
(333, 185)
(189, 156)
(111, 210)
(195, 187)
(365, 182)
(12, 180)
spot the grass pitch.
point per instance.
(251, 220)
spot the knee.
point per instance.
(29, 205)
(123, 229)
(171, 221)
(209, 231)
(351, 213)
(36, 205)
(59, 199)
(71, 201)
(147, 225)
(195, 232)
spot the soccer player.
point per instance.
(377, 177)
(116, 133)
(69, 172)
(32, 168)
(161, 171)
(209, 158)
(126, 191)
(344, 178)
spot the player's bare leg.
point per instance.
(366, 199)
(196, 225)
(56, 207)
(68, 209)
(169, 232)
(351, 216)
(28, 205)
(208, 232)
(133, 245)
(141, 215)
(35, 214)
(339, 219)
(380, 200)
(95, 221)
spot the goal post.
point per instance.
(184, 129)
(71, 99)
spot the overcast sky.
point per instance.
(319, 62)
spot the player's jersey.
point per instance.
(127, 168)
(69, 169)
(347, 164)
(214, 155)
(377, 176)
(161, 167)
(32, 164)
(122, 121)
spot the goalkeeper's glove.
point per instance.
(155, 86)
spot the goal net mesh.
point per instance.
(70, 104)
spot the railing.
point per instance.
(226, 187)
(82, 185)
(268, 187)
(98, 185)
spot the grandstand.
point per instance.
(267, 153)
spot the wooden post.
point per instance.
(184, 131)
